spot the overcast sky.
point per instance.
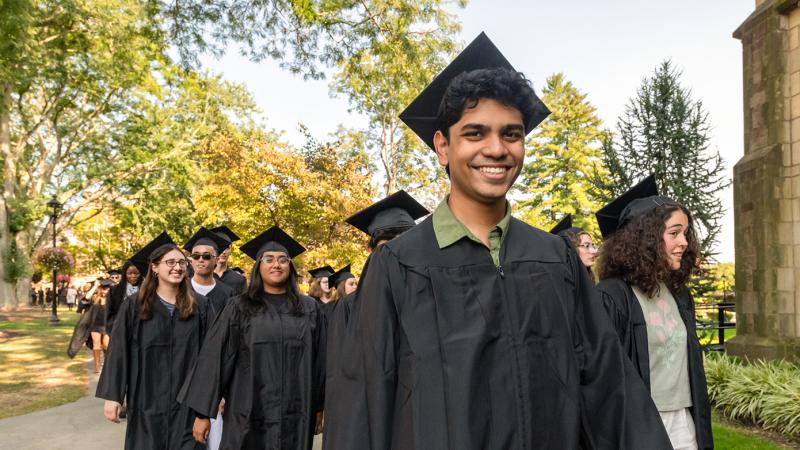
(604, 47)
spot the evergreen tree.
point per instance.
(666, 132)
(564, 156)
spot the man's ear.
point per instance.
(442, 147)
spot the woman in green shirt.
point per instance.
(649, 253)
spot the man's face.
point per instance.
(202, 266)
(223, 257)
(115, 278)
(485, 152)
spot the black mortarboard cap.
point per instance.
(395, 211)
(610, 217)
(274, 239)
(226, 232)
(481, 53)
(105, 282)
(342, 274)
(115, 271)
(204, 236)
(322, 272)
(563, 225)
(140, 259)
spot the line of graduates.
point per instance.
(467, 330)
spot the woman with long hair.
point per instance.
(265, 356)
(649, 254)
(97, 327)
(580, 240)
(343, 282)
(156, 340)
(319, 289)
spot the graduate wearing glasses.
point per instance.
(265, 355)
(204, 248)
(156, 340)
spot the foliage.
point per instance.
(54, 258)
(764, 393)
(562, 156)
(16, 263)
(306, 192)
(666, 132)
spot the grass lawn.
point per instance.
(732, 436)
(35, 371)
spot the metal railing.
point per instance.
(718, 324)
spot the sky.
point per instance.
(604, 47)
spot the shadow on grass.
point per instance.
(35, 371)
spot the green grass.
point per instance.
(728, 436)
(35, 371)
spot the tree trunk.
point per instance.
(7, 288)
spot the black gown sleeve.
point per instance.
(211, 374)
(379, 338)
(617, 410)
(113, 383)
(113, 300)
(320, 351)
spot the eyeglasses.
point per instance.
(588, 246)
(171, 263)
(269, 259)
(205, 256)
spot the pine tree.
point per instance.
(666, 132)
(563, 157)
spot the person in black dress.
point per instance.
(156, 339)
(265, 356)
(127, 286)
(97, 327)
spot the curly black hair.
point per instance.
(636, 253)
(465, 90)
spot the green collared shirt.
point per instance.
(449, 230)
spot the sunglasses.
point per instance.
(205, 256)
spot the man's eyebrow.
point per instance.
(474, 126)
(513, 127)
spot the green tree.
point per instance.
(664, 131)
(563, 156)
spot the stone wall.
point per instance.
(767, 185)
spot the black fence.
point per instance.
(713, 330)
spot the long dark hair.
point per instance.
(253, 297)
(184, 302)
(636, 253)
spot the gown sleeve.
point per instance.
(113, 383)
(617, 410)
(113, 301)
(320, 351)
(379, 339)
(211, 374)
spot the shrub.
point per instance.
(766, 393)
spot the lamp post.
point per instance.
(56, 205)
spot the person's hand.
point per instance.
(111, 410)
(200, 429)
(320, 423)
(221, 408)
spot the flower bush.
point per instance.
(49, 258)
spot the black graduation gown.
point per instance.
(269, 367)
(345, 399)
(460, 354)
(114, 300)
(234, 280)
(146, 364)
(626, 314)
(219, 297)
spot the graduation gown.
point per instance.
(269, 367)
(234, 280)
(626, 314)
(219, 297)
(146, 364)
(114, 300)
(461, 354)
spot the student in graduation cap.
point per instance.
(319, 289)
(265, 356)
(581, 241)
(477, 330)
(128, 285)
(382, 221)
(649, 254)
(204, 248)
(156, 339)
(343, 283)
(224, 273)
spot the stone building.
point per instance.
(766, 185)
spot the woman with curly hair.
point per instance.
(649, 253)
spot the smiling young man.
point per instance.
(478, 331)
(204, 248)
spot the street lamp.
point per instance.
(56, 205)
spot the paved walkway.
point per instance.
(79, 425)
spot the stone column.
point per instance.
(766, 186)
